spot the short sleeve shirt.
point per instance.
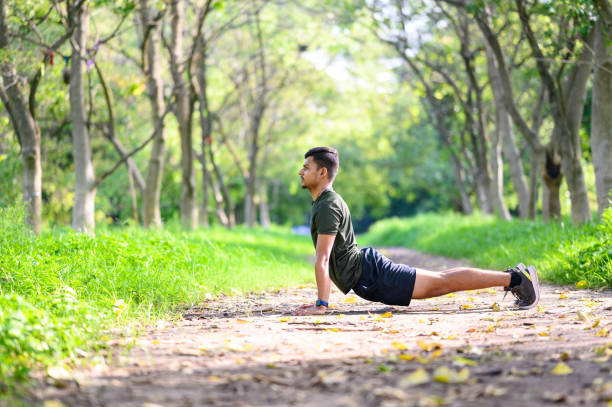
(330, 216)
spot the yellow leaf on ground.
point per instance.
(562, 296)
(53, 403)
(415, 378)
(428, 346)
(562, 369)
(350, 300)
(603, 332)
(155, 342)
(543, 334)
(387, 315)
(582, 284)
(436, 353)
(495, 307)
(453, 336)
(458, 360)
(491, 328)
(451, 295)
(340, 316)
(596, 324)
(399, 345)
(445, 375)
(467, 306)
(284, 319)
(243, 321)
(406, 356)
(471, 299)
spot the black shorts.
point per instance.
(384, 281)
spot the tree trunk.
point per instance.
(85, 191)
(571, 151)
(205, 124)
(503, 125)
(537, 158)
(189, 205)
(249, 204)
(26, 128)
(227, 198)
(221, 215)
(264, 209)
(497, 179)
(151, 216)
(551, 202)
(601, 119)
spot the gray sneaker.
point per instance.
(527, 293)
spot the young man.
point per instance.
(367, 272)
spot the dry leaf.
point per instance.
(387, 315)
(468, 306)
(603, 332)
(243, 321)
(415, 378)
(350, 300)
(582, 284)
(562, 296)
(459, 361)
(406, 356)
(445, 375)
(399, 345)
(284, 319)
(561, 369)
(495, 307)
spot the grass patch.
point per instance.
(562, 253)
(60, 291)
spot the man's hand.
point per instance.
(310, 309)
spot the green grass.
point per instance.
(59, 292)
(562, 253)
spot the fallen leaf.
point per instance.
(596, 324)
(561, 369)
(436, 354)
(350, 300)
(155, 342)
(453, 336)
(340, 316)
(406, 356)
(428, 346)
(495, 307)
(459, 361)
(386, 315)
(582, 284)
(603, 332)
(468, 306)
(284, 319)
(491, 328)
(544, 334)
(445, 375)
(562, 296)
(415, 378)
(451, 295)
(385, 368)
(399, 345)
(243, 321)
(53, 403)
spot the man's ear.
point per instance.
(323, 171)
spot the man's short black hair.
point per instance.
(325, 157)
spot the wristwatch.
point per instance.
(321, 302)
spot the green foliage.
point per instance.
(563, 254)
(60, 290)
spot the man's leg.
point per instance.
(435, 283)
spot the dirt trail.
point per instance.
(249, 351)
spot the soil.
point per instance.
(468, 349)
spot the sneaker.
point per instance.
(527, 293)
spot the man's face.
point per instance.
(310, 174)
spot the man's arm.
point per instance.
(323, 251)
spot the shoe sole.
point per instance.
(533, 274)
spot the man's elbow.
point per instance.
(322, 261)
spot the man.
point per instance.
(370, 274)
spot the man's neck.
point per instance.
(316, 192)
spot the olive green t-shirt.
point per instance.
(331, 216)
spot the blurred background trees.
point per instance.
(200, 111)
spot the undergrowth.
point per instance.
(61, 291)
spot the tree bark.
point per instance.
(85, 191)
(506, 133)
(601, 118)
(264, 208)
(189, 205)
(151, 216)
(26, 128)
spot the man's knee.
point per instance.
(430, 284)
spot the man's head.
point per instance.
(320, 166)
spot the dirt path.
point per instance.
(249, 352)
